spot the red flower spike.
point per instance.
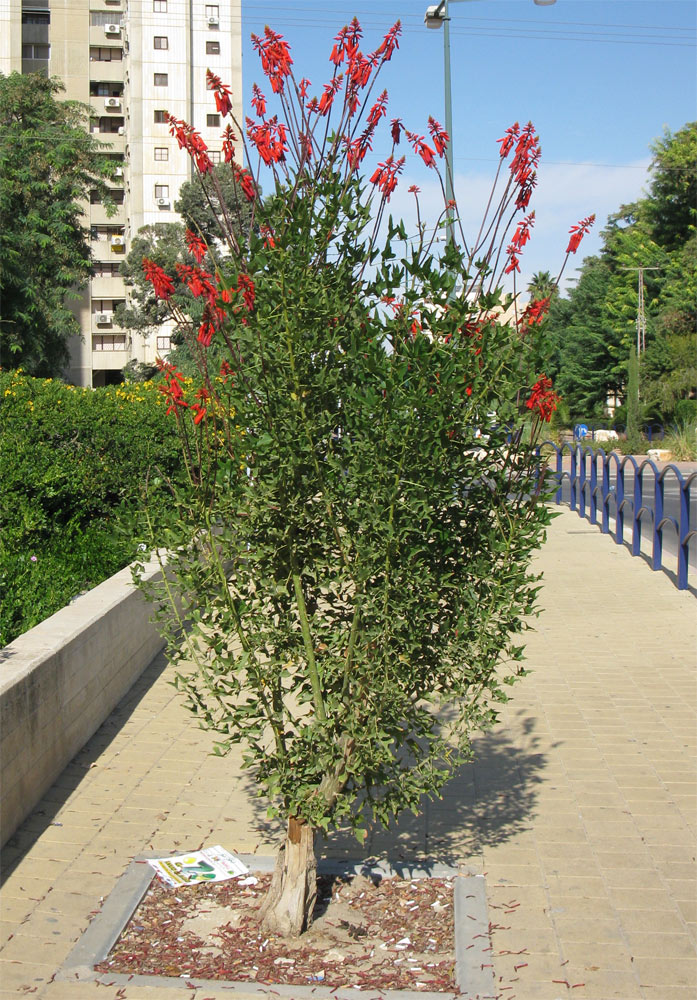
(385, 175)
(534, 312)
(222, 92)
(522, 233)
(378, 110)
(389, 43)
(196, 246)
(205, 333)
(578, 231)
(229, 138)
(543, 400)
(270, 140)
(513, 262)
(330, 91)
(246, 182)
(162, 284)
(226, 372)
(245, 286)
(413, 189)
(420, 147)
(439, 135)
(508, 140)
(200, 412)
(258, 101)
(275, 58)
(302, 87)
(397, 129)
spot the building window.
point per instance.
(161, 79)
(105, 17)
(161, 42)
(35, 51)
(160, 117)
(106, 89)
(164, 343)
(105, 54)
(212, 12)
(161, 153)
(212, 48)
(214, 155)
(36, 17)
(159, 6)
(162, 191)
(109, 342)
(213, 121)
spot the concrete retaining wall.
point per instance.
(60, 681)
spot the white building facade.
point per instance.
(133, 62)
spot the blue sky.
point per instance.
(599, 78)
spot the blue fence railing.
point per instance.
(598, 488)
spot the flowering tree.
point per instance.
(355, 555)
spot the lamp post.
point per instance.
(438, 16)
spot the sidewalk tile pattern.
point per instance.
(579, 807)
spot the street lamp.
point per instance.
(437, 15)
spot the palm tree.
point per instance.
(542, 286)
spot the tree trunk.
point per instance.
(287, 909)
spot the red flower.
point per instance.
(162, 284)
(543, 400)
(189, 139)
(302, 88)
(378, 110)
(172, 389)
(198, 282)
(578, 231)
(390, 42)
(245, 286)
(386, 175)
(535, 312)
(522, 233)
(196, 246)
(439, 135)
(258, 100)
(226, 372)
(222, 93)
(330, 91)
(199, 410)
(396, 130)
(275, 58)
(513, 262)
(229, 138)
(508, 140)
(413, 189)
(270, 140)
(246, 182)
(420, 147)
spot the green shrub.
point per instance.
(74, 464)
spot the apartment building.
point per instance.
(132, 61)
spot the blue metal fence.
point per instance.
(591, 488)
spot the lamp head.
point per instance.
(433, 18)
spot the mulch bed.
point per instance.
(371, 933)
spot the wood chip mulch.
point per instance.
(389, 934)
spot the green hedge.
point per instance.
(73, 465)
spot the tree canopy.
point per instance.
(201, 205)
(48, 165)
(590, 331)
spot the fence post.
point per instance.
(558, 495)
(636, 516)
(573, 480)
(582, 483)
(658, 496)
(683, 535)
(593, 500)
(605, 517)
(619, 518)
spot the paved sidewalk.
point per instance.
(580, 807)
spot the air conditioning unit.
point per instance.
(112, 29)
(212, 20)
(118, 241)
(112, 102)
(163, 202)
(122, 130)
(102, 317)
(118, 172)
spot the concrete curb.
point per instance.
(473, 970)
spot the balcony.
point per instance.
(99, 216)
(107, 286)
(106, 72)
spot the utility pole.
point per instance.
(641, 314)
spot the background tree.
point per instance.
(542, 286)
(592, 329)
(199, 205)
(49, 163)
